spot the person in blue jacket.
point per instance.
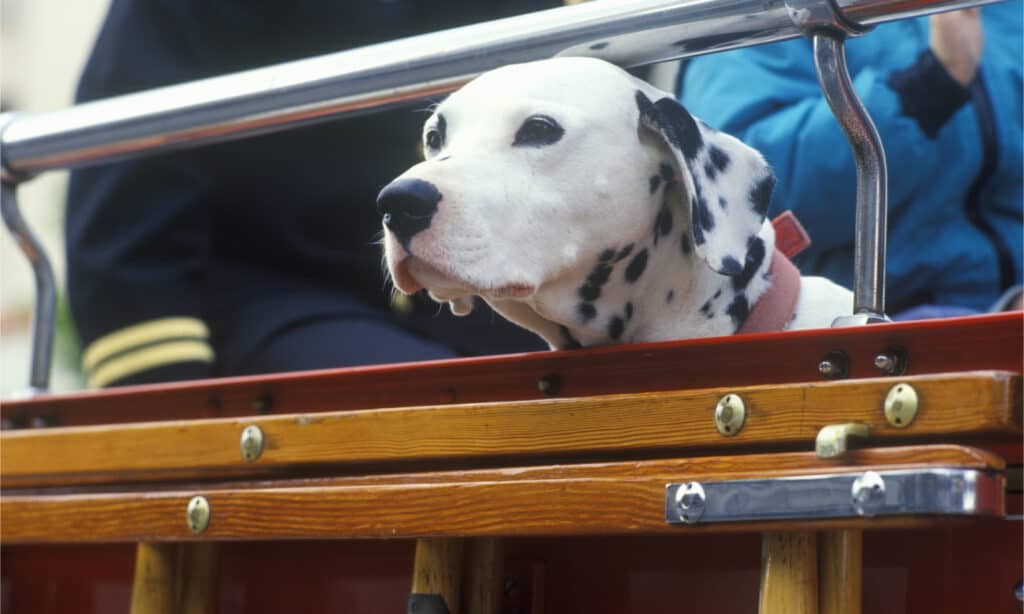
(945, 93)
(256, 255)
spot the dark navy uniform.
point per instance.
(257, 255)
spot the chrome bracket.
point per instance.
(932, 491)
(824, 22)
(45, 313)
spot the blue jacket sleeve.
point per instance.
(769, 97)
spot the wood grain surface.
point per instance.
(789, 573)
(985, 342)
(840, 571)
(608, 498)
(952, 406)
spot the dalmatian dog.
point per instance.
(590, 208)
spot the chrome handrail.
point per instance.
(625, 32)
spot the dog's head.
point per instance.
(549, 174)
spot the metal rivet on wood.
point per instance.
(901, 405)
(730, 414)
(198, 514)
(251, 443)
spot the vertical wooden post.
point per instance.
(437, 574)
(840, 566)
(155, 587)
(484, 581)
(789, 573)
(200, 571)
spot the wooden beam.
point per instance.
(789, 573)
(986, 403)
(200, 571)
(594, 499)
(484, 582)
(437, 572)
(157, 577)
(840, 571)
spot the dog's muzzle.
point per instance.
(407, 206)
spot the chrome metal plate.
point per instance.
(959, 492)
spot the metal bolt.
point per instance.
(691, 500)
(549, 384)
(197, 515)
(730, 414)
(901, 405)
(868, 494)
(892, 361)
(251, 443)
(835, 365)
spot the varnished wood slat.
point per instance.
(437, 570)
(789, 573)
(840, 571)
(155, 587)
(951, 405)
(610, 498)
(934, 346)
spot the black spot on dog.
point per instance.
(587, 311)
(706, 307)
(589, 293)
(636, 266)
(761, 194)
(606, 255)
(615, 327)
(739, 309)
(629, 311)
(670, 296)
(599, 46)
(710, 170)
(755, 257)
(663, 223)
(624, 252)
(718, 158)
(655, 183)
(685, 244)
(665, 169)
(703, 220)
(570, 342)
(718, 293)
(730, 266)
(722, 202)
(673, 122)
(591, 288)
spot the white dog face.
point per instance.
(541, 178)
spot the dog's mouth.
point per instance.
(412, 274)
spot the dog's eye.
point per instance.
(537, 131)
(433, 140)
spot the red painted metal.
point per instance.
(933, 346)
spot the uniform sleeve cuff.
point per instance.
(928, 93)
(178, 344)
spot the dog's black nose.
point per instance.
(407, 206)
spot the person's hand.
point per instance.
(956, 40)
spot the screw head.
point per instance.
(730, 414)
(901, 405)
(867, 495)
(834, 365)
(197, 514)
(251, 443)
(691, 501)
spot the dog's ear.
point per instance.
(728, 183)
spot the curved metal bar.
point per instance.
(626, 32)
(44, 315)
(872, 178)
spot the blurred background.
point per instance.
(43, 46)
